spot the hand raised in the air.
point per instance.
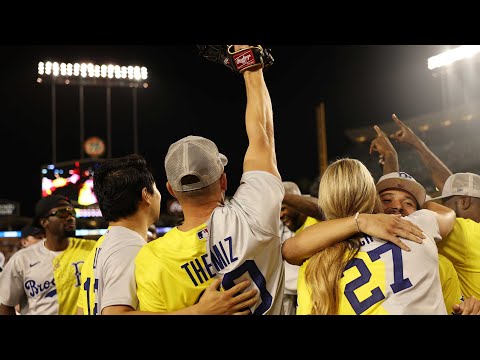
(404, 134)
(381, 143)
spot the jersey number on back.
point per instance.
(86, 287)
(399, 282)
(257, 277)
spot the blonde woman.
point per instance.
(365, 274)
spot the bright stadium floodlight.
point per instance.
(89, 74)
(450, 56)
(92, 74)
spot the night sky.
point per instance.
(361, 85)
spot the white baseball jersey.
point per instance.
(291, 276)
(291, 271)
(384, 279)
(44, 282)
(244, 242)
(113, 268)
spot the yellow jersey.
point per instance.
(450, 283)
(45, 282)
(462, 248)
(171, 272)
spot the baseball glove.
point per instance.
(250, 58)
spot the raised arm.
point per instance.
(437, 169)
(260, 154)
(305, 204)
(326, 233)
(388, 154)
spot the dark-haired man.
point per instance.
(130, 202)
(44, 278)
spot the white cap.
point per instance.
(291, 188)
(402, 181)
(196, 156)
(466, 184)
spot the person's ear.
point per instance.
(465, 202)
(146, 195)
(170, 190)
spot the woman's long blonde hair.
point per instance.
(345, 188)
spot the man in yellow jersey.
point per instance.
(237, 238)
(461, 193)
(44, 278)
(130, 201)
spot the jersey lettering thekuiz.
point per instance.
(239, 241)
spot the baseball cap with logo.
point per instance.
(466, 184)
(195, 156)
(402, 181)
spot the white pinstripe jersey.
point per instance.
(244, 242)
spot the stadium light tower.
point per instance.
(89, 74)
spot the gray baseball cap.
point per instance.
(196, 156)
(466, 184)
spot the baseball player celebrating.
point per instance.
(129, 200)
(236, 238)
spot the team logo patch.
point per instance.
(202, 234)
(244, 59)
(404, 175)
